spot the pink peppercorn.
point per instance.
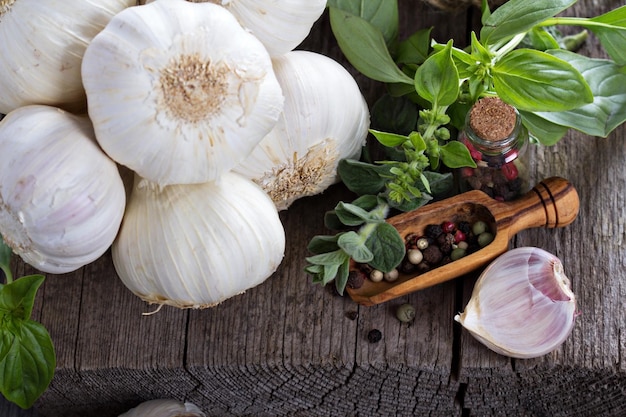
(510, 171)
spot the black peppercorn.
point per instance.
(407, 267)
(464, 227)
(352, 315)
(445, 242)
(433, 231)
(432, 255)
(355, 279)
(374, 336)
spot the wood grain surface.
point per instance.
(291, 348)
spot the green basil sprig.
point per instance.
(27, 356)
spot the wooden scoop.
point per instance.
(551, 203)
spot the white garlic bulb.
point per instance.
(325, 119)
(195, 245)
(179, 92)
(280, 24)
(41, 47)
(164, 408)
(61, 198)
(522, 305)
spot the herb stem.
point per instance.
(510, 45)
(578, 21)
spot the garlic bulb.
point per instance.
(195, 245)
(325, 119)
(41, 47)
(280, 24)
(164, 408)
(179, 92)
(522, 305)
(61, 198)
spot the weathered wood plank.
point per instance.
(288, 347)
(589, 367)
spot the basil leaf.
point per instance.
(437, 79)
(365, 48)
(546, 132)
(383, 14)
(354, 245)
(5, 259)
(537, 81)
(388, 139)
(608, 110)
(361, 177)
(612, 38)
(28, 365)
(415, 49)
(18, 297)
(519, 16)
(456, 155)
(387, 247)
(540, 39)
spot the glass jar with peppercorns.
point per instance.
(497, 142)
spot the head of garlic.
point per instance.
(179, 92)
(325, 119)
(522, 305)
(280, 25)
(61, 197)
(164, 408)
(42, 43)
(195, 245)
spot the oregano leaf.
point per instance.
(387, 247)
(354, 245)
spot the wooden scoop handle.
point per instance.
(551, 203)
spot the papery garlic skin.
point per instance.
(179, 92)
(164, 408)
(325, 119)
(522, 305)
(280, 25)
(196, 245)
(61, 197)
(42, 43)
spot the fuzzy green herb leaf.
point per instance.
(537, 81)
(387, 247)
(354, 245)
(361, 177)
(364, 46)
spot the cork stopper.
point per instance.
(492, 119)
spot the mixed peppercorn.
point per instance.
(438, 245)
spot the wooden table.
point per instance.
(291, 348)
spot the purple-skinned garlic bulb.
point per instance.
(522, 305)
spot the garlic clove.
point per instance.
(522, 305)
(325, 119)
(280, 25)
(179, 92)
(61, 198)
(196, 245)
(42, 43)
(164, 408)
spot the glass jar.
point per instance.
(497, 141)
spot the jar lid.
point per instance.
(492, 119)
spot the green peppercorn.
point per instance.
(405, 313)
(457, 253)
(479, 227)
(484, 239)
